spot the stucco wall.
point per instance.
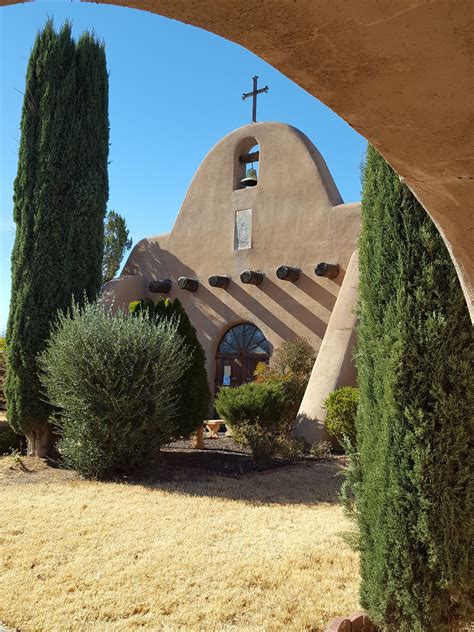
(298, 219)
(334, 366)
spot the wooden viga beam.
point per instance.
(160, 287)
(187, 283)
(248, 158)
(219, 280)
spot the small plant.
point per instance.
(16, 457)
(320, 450)
(264, 444)
(113, 380)
(341, 405)
(292, 449)
(254, 414)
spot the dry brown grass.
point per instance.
(259, 553)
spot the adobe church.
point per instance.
(259, 254)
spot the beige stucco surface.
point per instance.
(334, 366)
(298, 219)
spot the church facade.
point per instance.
(252, 265)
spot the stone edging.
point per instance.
(356, 622)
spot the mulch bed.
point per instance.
(178, 460)
(221, 456)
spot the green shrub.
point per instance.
(320, 450)
(290, 367)
(292, 449)
(194, 403)
(294, 356)
(10, 441)
(263, 444)
(254, 414)
(114, 382)
(341, 405)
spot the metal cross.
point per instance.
(253, 94)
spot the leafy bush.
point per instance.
(320, 450)
(290, 367)
(296, 357)
(254, 414)
(292, 449)
(113, 380)
(10, 441)
(341, 405)
(194, 402)
(263, 444)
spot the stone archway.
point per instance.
(399, 72)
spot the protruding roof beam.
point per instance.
(328, 270)
(252, 277)
(160, 287)
(219, 280)
(288, 273)
(187, 283)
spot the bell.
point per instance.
(250, 179)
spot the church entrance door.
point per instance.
(240, 350)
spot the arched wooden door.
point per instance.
(240, 350)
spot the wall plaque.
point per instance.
(243, 229)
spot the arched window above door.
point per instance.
(245, 338)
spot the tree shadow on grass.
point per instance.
(304, 483)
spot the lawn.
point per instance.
(182, 551)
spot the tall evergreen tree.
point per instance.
(116, 242)
(415, 361)
(90, 186)
(60, 194)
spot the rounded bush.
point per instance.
(341, 405)
(255, 413)
(113, 381)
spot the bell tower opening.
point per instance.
(247, 167)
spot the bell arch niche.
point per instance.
(246, 164)
(241, 348)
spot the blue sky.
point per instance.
(174, 92)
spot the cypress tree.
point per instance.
(415, 364)
(91, 186)
(116, 242)
(51, 212)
